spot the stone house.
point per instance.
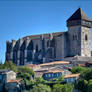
(53, 74)
(5, 76)
(71, 78)
(14, 86)
(9, 83)
(46, 67)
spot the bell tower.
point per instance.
(79, 25)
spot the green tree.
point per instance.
(41, 88)
(89, 86)
(68, 88)
(87, 75)
(60, 79)
(25, 69)
(39, 80)
(9, 65)
(27, 75)
(82, 85)
(58, 88)
(78, 69)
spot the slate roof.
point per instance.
(79, 15)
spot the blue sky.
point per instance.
(22, 18)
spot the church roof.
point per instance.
(47, 35)
(79, 15)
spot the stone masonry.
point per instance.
(36, 49)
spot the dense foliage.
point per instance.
(84, 84)
(27, 75)
(9, 65)
(41, 88)
(87, 74)
(78, 69)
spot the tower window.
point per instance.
(86, 38)
(74, 37)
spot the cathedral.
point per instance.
(37, 49)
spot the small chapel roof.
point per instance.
(79, 15)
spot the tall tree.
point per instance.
(9, 65)
(78, 69)
(89, 86)
(58, 88)
(41, 88)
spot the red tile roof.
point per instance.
(33, 66)
(54, 71)
(89, 63)
(13, 81)
(55, 63)
(72, 76)
(83, 65)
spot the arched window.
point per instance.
(86, 38)
(29, 56)
(48, 43)
(31, 45)
(36, 48)
(74, 37)
(52, 43)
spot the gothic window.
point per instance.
(49, 51)
(36, 48)
(52, 43)
(74, 37)
(48, 43)
(31, 46)
(86, 38)
(29, 56)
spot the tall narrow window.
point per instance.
(36, 48)
(86, 38)
(73, 37)
(48, 43)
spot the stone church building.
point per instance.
(36, 49)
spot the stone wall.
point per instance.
(50, 47)
(85, 42)
(75, 40)
(10, 76)
(36, 49)
(59, 45)
(80, 41)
